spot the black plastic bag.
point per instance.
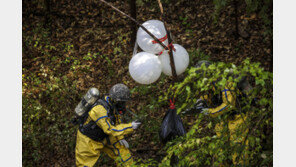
(171, 125)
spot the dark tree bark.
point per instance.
(133, 8)
(48, 15)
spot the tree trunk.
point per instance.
(47, 15)
(133, 8)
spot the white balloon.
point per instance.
(144, 40)
(181, 59)
(145, 68)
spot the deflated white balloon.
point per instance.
(145, 68)
(181, 59)
(144, 40)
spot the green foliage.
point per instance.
(47, 128)
(145, 163)
(152, 105)
(90, 56)
(201, 145)
(186, 23)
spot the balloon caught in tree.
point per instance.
(146, 42)
(145, 68)
(181, 58)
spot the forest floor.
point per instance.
(90, 44)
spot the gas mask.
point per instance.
(121, 107)
(244, 85)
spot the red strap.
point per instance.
(172, 105)
(160, 39)
(169, 46)
(160, 53)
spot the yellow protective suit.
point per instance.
(228, 105)
(88, 151)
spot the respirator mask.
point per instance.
(120, 107)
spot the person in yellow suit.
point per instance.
(102, 130)
(223, 103)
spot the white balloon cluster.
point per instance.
(145, 67)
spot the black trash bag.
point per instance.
(171, 125)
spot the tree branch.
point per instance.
(172, 61)
(148, 32)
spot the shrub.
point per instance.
(201, 146)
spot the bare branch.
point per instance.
(172, 61)
(148, 32)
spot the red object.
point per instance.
(169, 46)
(160, 39)
(172, 105)
(120, 112)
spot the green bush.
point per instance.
(47, 130)
(201, 146)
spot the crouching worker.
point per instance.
(224, 102)
(101, 130)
